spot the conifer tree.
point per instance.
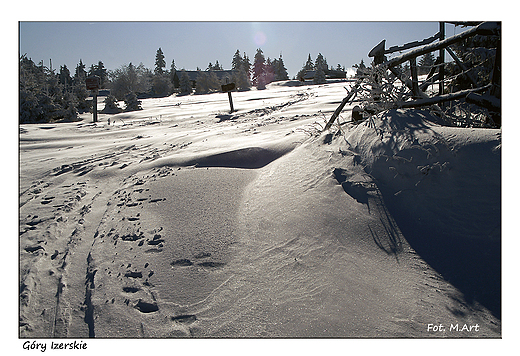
(426, 62)
(321, 62)
(201, 86)
(132, 103)
(213, 82)
(64, 76)
(309, 65)
(111, 106)
(280, 70)
(236, 63)
(185, 83)
(247, 66)
(173, 70)
(319, 76)
(102, 73)
(160, 64)
(80, 73)
(259, 70)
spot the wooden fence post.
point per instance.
(442, 58)
(415, 79)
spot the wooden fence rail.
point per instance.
(489, 100)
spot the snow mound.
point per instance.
(442, 185)
(285, 83)
(448, 176)
(233, 157)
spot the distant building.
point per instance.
(193, 74)
(329, 74)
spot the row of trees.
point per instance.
(320, 69)
(45, 95)
(50, 95)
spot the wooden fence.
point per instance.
(378, 83)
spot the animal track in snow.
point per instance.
(134, 274)
(187, 318)
(182, 262)
(145, 307)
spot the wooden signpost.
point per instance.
(93, 84)
(228, 88)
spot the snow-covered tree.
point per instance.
(173, 70)
(160, 64)
(213, 82)
(185, 83)
(246, 63)
(129, 78)
(361, 68)
(237, 61)
(201, 86)
(42, 98)
(309, 65)
(65, 78)
(319, 76)
(280, 72)
(259, 69)
(215, 66)
(111, 106)
(241, 80)
(161, 85)
(80, 74)
(132, 103)
(269, 73)
(100, 71)
(321, 62)
(425, 63)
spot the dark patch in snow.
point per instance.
(188, 318)
(182, 262)
(145, 307)
(251, 157)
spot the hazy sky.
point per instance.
(196, 44)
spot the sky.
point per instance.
(193, 44)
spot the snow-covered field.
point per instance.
(183, 220)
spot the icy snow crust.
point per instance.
(183, 220)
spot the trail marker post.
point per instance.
(228, 88)
(92, 84)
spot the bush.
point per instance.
(132, 103)
(111, 106)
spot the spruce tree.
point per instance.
(201, 86)
(309, 65)
(213, 82)
(102, 73)
(319, 76)
(247, 66)
(111, 106)
(132, 103)
(280, 70)
(80, 73)
(321, 62)
(160, 64)
(259, 69)
(241, 80)
(236, 63)
(173, 70)
(64, 76)
(426, 62)
(185, 83)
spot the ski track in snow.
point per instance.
(186, 220)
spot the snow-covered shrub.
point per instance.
(132, 103)
(111, 106)
(185, 83)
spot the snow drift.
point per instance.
(182, 220)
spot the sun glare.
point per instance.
(260, 38)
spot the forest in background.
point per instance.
(50, 95)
